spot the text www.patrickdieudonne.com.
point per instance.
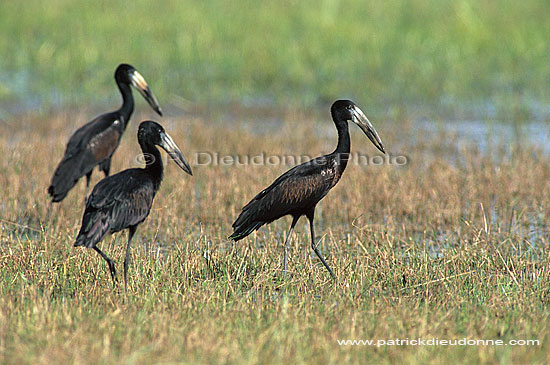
(438, 342)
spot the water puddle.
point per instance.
(487, 135)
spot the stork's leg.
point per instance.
(287, 242)
(88, 178)
(110, 263)
(131, 232)
(106, 166)
(311, 216)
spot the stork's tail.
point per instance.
(64, 179)
(95, 226)
(247, 222)
(243, 230)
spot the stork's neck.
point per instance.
(343, 147)
(153, 162)
(127, 107)
(344, 143)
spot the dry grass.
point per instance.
(453, 245)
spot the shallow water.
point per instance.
(487, 134)
(484, 135)
(488, 137)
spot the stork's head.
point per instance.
(153, 133)
(347, 110)
(127, 74)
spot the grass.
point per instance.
(477, 59)
(444, 247)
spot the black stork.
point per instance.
(124, 200)
(94, 143)
(298, 191)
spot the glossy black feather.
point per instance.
(116, 203)
(79, 158)
(295, 192)
(124, 200)
(95, 143)
(298, 191)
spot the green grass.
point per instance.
(472, 58)
(435, 249)
(453, 245)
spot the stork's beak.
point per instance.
(141, 85)
(362, 121)
(168, 144)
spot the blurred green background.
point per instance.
(471, 58)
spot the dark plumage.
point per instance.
(298, 191)
(124, 200)
(94, 143)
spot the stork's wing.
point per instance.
(298, 189)
(117, 202)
